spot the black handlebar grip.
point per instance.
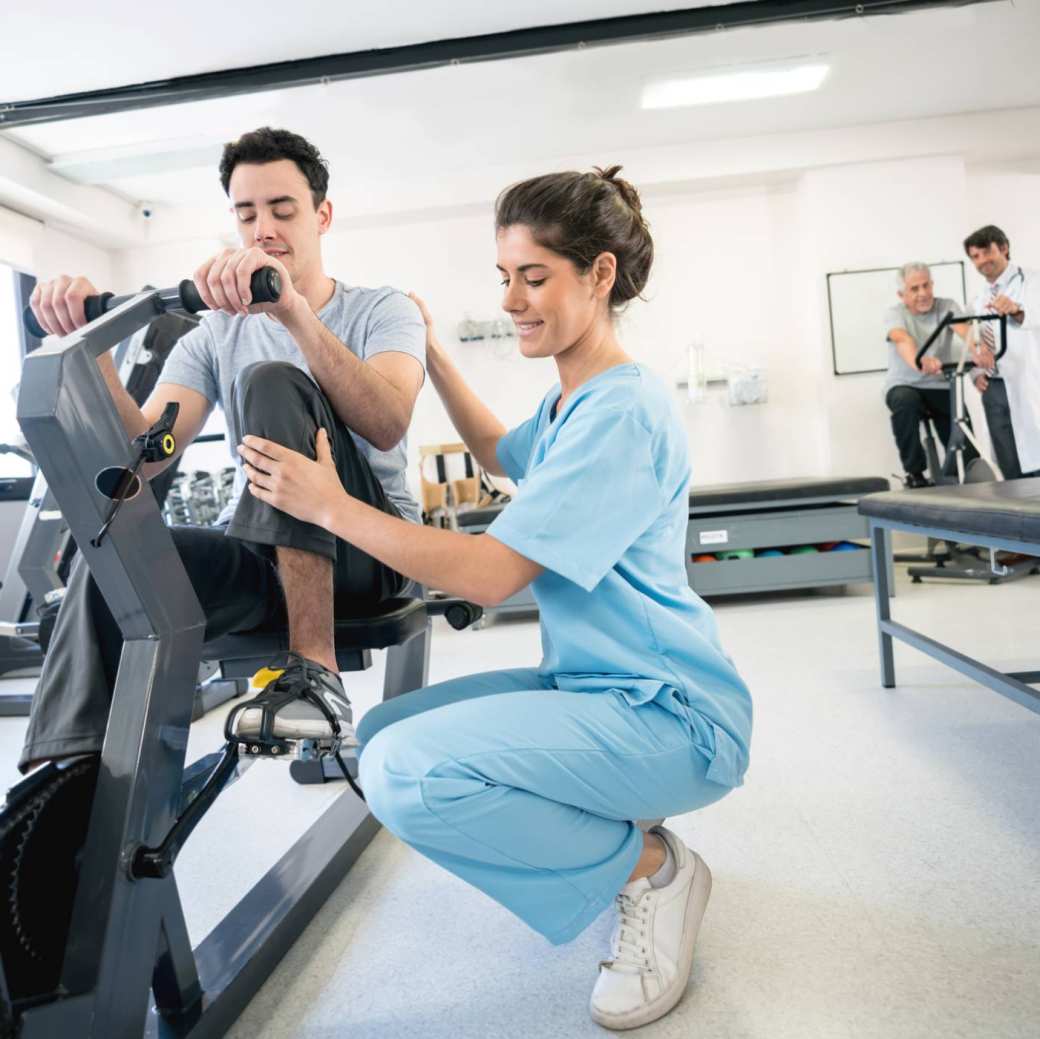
(190, 298)
(95, 306)
(265, 286)
(32, 326)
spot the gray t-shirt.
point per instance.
(919, 327)
(366, 321)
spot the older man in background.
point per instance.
(913, 394)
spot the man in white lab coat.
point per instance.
(1011, 389)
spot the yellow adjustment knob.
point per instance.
(169, 445)
(264, 677)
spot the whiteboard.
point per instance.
(858, 301)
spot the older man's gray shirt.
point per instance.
(920, 327)
(367, 321)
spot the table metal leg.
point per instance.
(880, 555)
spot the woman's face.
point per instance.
(552, 305)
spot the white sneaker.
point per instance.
(652, 944)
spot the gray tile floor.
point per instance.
(875, 877)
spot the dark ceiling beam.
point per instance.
(465, 50)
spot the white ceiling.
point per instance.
(526, 113)
(67, 46)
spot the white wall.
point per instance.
(864, 216)
(742, 269)
(33, 247)
(1012, 202)
(37, 248)
(719, 277)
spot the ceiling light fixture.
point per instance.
(749, 85)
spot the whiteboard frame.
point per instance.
(877, 270)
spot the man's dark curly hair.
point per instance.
(267, 145)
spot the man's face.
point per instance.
(918, 292)
(990, 261)
(275, 211)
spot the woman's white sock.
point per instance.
(666, 874)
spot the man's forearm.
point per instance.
(478, 427)
(131, 415)
(907, 349)
(362, 398)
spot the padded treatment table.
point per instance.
(778, 514)
(1003, 516)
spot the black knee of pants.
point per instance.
(907, 407)
(280, 402)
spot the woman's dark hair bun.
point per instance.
(624, 188)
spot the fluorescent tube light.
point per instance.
(734, 86)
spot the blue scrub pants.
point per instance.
(528, 792)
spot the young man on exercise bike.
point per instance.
(326, 356)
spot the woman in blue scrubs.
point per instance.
(527, 783)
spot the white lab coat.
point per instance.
(1020, 366)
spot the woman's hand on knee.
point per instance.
(308, 489)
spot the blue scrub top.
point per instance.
(602, 504)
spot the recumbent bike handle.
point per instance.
(265, 285)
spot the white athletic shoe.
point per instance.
(652, 944)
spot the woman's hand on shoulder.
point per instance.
(433, 345)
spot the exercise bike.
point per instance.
(95, 944)
(958, 562)
(43, 551)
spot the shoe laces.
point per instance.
(302, 679)
(309, 668)
(632, 935)
(299, 669)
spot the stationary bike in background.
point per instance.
(961, 562)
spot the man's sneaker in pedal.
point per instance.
(652, 944)
(293, 696)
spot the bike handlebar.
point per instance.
(952, 319)
(265, 286)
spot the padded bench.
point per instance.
(999, 516)
(748, 516)
(777, 514)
